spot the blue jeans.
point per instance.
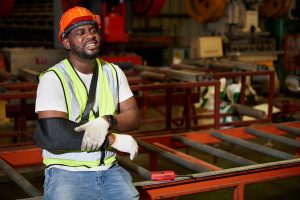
(114, 183)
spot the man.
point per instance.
(64, 96)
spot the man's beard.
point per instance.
(83, 54)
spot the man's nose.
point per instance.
(89, 34)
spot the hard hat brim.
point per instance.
(75, 25)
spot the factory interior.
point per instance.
(217, 83)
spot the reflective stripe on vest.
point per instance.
(76, 95)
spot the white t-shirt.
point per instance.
(50, 95)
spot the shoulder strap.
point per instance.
(91, 98)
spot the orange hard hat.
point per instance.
(75, 17)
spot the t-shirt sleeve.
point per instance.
(124, 89)
(50, 94)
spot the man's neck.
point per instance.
(85, 66)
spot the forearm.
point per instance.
(111, 139)
(128, 120)
(129, 117)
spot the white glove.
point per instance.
(125, 143)
(95, 132)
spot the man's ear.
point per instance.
(66, 43)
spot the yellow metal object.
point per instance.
(3, 118)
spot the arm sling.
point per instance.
(57, 134)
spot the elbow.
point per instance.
(139, 119)
(137, 122)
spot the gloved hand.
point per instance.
(125, 143)
(95, 132)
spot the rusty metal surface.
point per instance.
(20, 180)
(208, 177)
(236, 177)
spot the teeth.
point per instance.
(90, 45)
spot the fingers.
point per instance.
(134, 151)
(98, 145)
(80, 128)
(90, 145)
(84, 143)
(133, 155)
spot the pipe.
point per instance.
(19, 180)
(185, 163)
(278, 138)
(253, 146)
(146, 174)
(153, 75)
(184, 66)
(289, 129)
(248, 111)
(214, 151)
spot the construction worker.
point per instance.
(64, 99)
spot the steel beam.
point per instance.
(277, 138)
(253, 146)
(146, 174)
(214, 151)
(289, 129)
(19, 180)
(209, 181)
(188, 157)
(176, 159)
(248, 111)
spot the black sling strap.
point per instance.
(89, 105)
(91, 97)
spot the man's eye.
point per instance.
(79, 32)
(93, 30)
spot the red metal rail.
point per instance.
(238, 177)
(209, 181)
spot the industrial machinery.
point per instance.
(191, 148)
(211, 177)
(292, 62)
(263, 164)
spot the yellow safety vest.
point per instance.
(76, 95)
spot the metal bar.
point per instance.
(188, 157)
(19, 86)
(168, 123)
(191, 76)
(253, 146)
(215, 180)
(246, 110)
(214, 151)
(153, 75)
(185, 163)
(239, 191)
(242, 91)
(17, 95)
(19, 180)
(145, 104)
(20, 157)
(271, 95)
(182, 85)
(218, 75)
(217, 106)
(278, 138)
(146, 174)
(288, 129)
(188, 108)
